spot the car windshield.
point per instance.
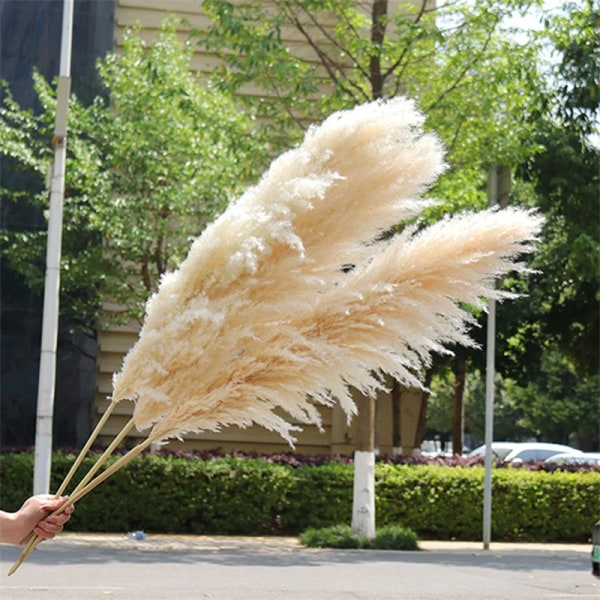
(533, 455)
(499, 450)
(502, 452)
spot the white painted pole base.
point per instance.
(363, 503)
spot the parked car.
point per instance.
(518, 452)
(578, 458)
(499, 450)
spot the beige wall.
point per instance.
(337, 436)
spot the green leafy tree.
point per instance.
(449, 57)
(561, 310)
(483, 94)
(145, 172)
(552, 333)
(560, 406)
(509, 420)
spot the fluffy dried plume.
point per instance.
(386, 318)
(288, 299)
(294, 295)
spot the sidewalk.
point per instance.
(175, 542)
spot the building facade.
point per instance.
(31, 38)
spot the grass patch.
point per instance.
(392, 537)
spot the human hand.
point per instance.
(33, 517)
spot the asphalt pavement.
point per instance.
(85, 566)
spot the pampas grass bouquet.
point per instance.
(298, 292)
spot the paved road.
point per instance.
(82, 567)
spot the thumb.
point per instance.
(54, 502)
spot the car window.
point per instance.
(501, 453)
(533, 455)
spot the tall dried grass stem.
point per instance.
(79, 490)
(85, 449)
(105, 456)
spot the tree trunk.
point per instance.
(459, 367)
(378, 22)
(363, 501)
(423, 412)
(409, 413)
(396, 397)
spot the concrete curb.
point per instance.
(161, 542)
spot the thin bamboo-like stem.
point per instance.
(105, 456)
(120, 463)
(86, 447)
(34, 540)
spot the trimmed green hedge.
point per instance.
(447, 502)
(390, 537)
(255, 497)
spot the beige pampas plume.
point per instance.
(294, 294)
(318, 208)
(385, 318)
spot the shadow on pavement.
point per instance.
(71, 552)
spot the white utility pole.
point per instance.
(47, 376)
(498, 193)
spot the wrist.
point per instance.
(9, 531)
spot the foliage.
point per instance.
(490, 97)
(550, 500)
(548, 340)
(223, 496)
(341, 536)
(322, 497)
(560, 310)
(448, 57)
(443, 503)
(508, 412)
(574, 36)
(337, 536)
(560, 405)
(255, 496)
(145, 172)
(395, 537)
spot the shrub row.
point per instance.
(241, 496)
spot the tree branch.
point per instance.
(334, 70)
(406, 49)
(466, 68)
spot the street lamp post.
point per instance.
(498, 194)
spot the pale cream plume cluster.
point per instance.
(289, 298)
(295, 294)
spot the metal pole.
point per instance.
(489, 390)
(47, 376)
(499, 183)
(489, 424)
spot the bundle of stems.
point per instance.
(298, 292)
